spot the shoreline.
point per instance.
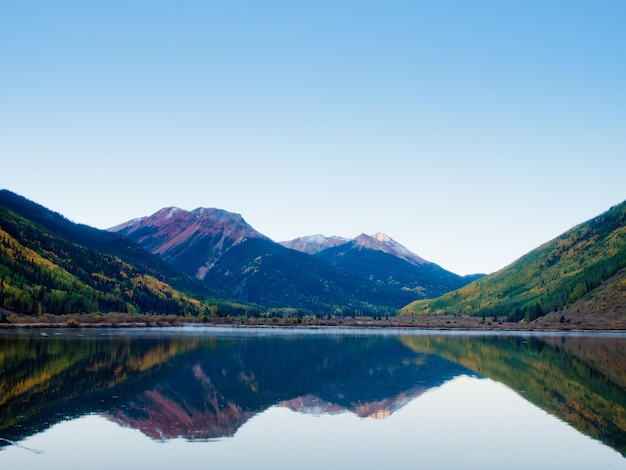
(435, 323)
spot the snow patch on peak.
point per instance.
(381, 237)
(173, 211)
(165, 214)
(386, 244)
(216, 214)
(313, 244)
(321, 239)
(200, 211)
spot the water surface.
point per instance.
(265, 398)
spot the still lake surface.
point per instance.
(239, 398)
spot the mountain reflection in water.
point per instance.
(201, 384)
(213, 391)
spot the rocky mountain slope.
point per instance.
(190, 241)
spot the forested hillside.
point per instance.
(51, 265)
(545, 280)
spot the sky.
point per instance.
(469, 131)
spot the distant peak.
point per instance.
(312, 244)
(381, 237)
(380, 241)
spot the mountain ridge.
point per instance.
(164, 232)
(49, 264)
(387, 263)
(221, 249)
(314, 244)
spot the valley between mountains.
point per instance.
(208, 264)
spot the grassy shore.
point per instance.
(552, 322)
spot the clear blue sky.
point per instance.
(469, 131)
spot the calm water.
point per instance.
(272, 399)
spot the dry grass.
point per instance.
(571, 321)
(602, 311)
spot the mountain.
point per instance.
(548, 279)
(267, 274)
(314, 244)
(386, 244)
(49, 264)
(191, 242)
(221, 249)
(376, 273)
(382, 260)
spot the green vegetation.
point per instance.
(279, 279)
(545, 280)
(51, 265)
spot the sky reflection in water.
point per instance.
(465, 423)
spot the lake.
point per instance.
(240, 398)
